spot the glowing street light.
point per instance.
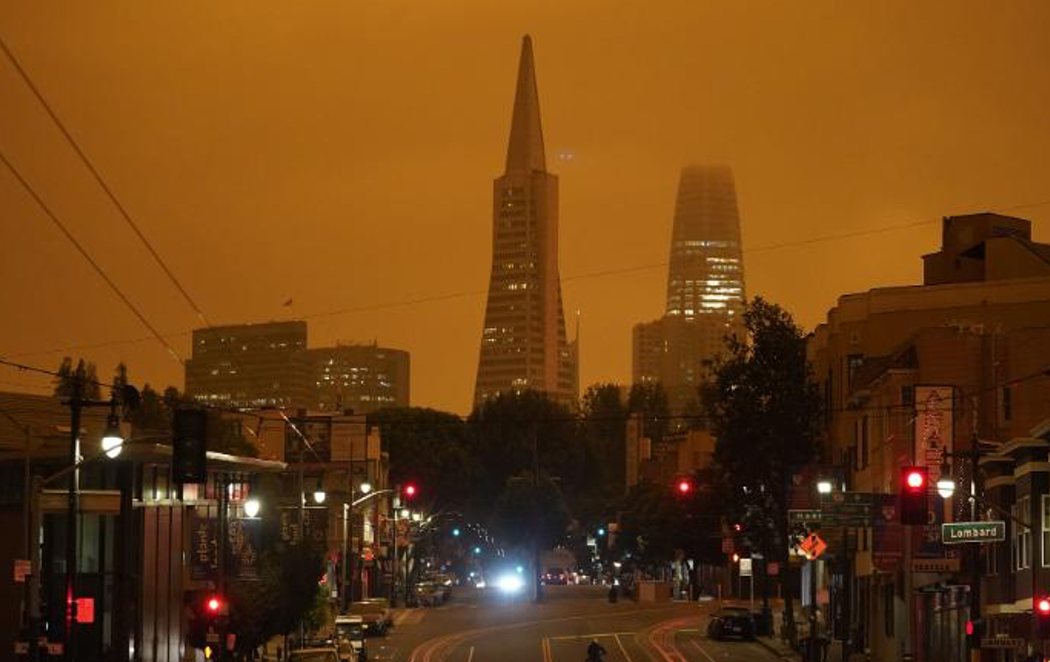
(112, 439)
(251, 507)
(824, 486)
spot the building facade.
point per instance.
(973, 337)
(250, 365)
(523, 340)
(360, 378)
(705, 288)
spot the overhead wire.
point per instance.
(86, 255)
(100, 181)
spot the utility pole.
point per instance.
(72, 506)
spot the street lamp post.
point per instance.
(112, 444)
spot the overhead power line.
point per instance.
(101, 182)
(576, 277)
(87, 256)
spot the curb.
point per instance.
(779, 652)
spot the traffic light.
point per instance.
(915, 508)
(409, 491)
(974, 633)
(1042, 613)
(214, 606)
(684, 486)
(189, 446)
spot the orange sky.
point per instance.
(341, 154)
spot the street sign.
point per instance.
(745, 567)
(960, 532)
(813, 546)
(804, 516)
(846, 509)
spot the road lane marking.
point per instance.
(470, 655)
(545, 646)
(702, 651)
(588, 636)
(436, 649)
(622, 649)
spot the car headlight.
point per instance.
(510, 583)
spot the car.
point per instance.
(349, 631)
(556, 576)
(315, 654)
(427, 594)
(731, 622)
(375, 616)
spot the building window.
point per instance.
(991, 560)
(1022, 537)
(908, 396)
(853, 364)
(1006, 405)
(1046, 531)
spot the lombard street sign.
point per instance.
(961, 532)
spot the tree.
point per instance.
(650, 400)
(85, 375)
(529, 432)
(764, 410)
(432, 448)
(286, 589)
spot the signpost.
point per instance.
(962, 532)
(746, 571)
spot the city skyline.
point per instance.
(308, 194)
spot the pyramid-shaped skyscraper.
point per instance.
(523, 340)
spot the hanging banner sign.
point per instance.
(934, 409)
(204, 546)
(243, 548)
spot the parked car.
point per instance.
(350, 630)
(316, 654)
(731, 622)
(375, 616)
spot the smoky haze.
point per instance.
(341, 156)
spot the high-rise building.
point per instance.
(250, 365)
(269, 365)
(359, 377)
(705, 288)
(523, 341)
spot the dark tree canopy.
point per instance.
(764, 411)
(433, 449)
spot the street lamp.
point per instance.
(945, 484)
(824, 486)
(251, 507)
(112, 439)
(365, 487)
(319, 493)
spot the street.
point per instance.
(476, 626)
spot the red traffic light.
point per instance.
(685, 486)
(213, 604)
(914, 479)
(738, 527)
(1043, 606)
(969, 628)
(410, 490)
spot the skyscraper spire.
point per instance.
(523, 343)
(525, 150)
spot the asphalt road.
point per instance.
(483, 626)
